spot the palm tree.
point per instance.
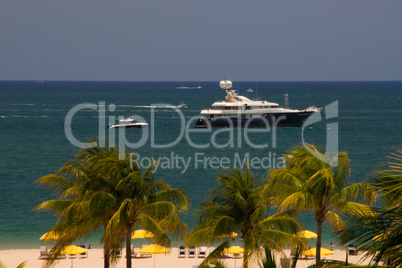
(99, 189)
(310, 183)
(388, 180)
(237, 205)
(81, 189)
(380, 233)
(152, 204)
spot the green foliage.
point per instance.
(310, 183)
(340, 264)
(388, 180)
(296, 256)
(21, 265)
(213, 264)
(268, 260)
(379, 233)
(237, 205)
(103, 189)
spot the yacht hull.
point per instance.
(277, 119)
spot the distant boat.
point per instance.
(128, 123)
(184, 87)
(250, 90)
(182, 105)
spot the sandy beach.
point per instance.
(11, 259)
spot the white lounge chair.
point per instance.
(203, 252)
(43, 252)
(133, 253)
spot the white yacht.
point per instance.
(240, 111)
(128, 123)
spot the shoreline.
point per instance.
(13, 257)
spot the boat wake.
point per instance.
(155, 106)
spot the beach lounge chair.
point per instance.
(83, 255)
(43, 252)
(72, 256)
(237, 255)
(133, 253)
(203, 252)
(191, 252)
(182, 252)
(147, 255)
(352, 249)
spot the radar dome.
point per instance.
(225, 84)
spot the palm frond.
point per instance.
(335, 221)
(214, 255)
(268, 260)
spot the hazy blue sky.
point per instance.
(201, 40)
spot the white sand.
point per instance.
(11, 259)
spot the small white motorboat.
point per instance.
(128, 123)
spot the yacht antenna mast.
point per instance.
(286, 102)
(256, 92)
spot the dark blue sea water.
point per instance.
(35, 141)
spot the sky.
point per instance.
(201, 40)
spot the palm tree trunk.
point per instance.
(128, 246)
(318, 245)
(245, 263)
(106, 256)
(246, 254)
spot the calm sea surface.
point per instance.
(34, 140)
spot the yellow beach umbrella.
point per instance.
(51, 235)
(232, 234)
(142, 234)
(312, 252)
(234, 250)
(72, 249)
(154, 249)
(306, 234)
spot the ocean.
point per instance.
(43, 122)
